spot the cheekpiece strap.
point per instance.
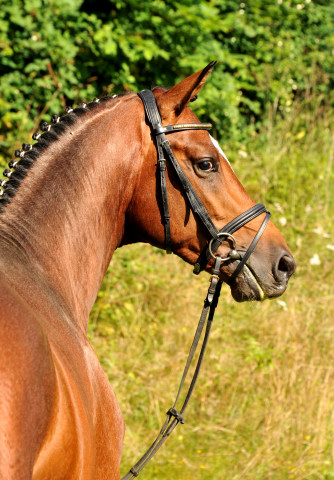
(151, 109)
(154, 121)
(159, 132)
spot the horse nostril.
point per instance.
(286, 266)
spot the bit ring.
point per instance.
(234, 254)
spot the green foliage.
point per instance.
(264, 401)
(59, 52)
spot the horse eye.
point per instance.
(206, 165)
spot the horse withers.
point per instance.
(87, 186)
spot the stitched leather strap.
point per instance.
(180, 127)
(174, 416)
(154, 120)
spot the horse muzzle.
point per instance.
(260, 278)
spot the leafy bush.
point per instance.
(58, 52)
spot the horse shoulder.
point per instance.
(27, 384)
(54, 397)
(85, 437)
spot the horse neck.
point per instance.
(68, 216)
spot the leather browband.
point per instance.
(181, 127)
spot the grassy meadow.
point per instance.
(263, 406)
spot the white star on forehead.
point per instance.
(216, 144)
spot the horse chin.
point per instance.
(246, 287)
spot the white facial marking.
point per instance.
(216, 144)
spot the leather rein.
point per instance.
(159, 132)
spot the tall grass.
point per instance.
(263, 407)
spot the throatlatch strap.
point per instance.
(159, 132)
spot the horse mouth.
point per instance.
(247, 286)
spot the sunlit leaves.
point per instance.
(269, 54)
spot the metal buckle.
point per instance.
(174, 413)
(233, 255)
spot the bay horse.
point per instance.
(87, 186)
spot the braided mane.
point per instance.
(27, 156)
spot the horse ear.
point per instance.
(172, 102)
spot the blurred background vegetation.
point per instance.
(264, 405)
(271, 53)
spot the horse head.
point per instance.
(269, 267)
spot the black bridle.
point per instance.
(218, 236)
(159, 132)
